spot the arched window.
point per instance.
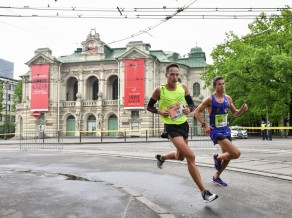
(115, 89)
(95, 90)
(92, 88)
(196, 89)
(75, 90)
(112, 88)
(72, 89)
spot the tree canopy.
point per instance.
(17, 97)
(257, 69)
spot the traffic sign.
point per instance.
(36, 114)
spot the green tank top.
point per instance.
(174, 101)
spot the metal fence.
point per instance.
(56, 140)
(40, 140)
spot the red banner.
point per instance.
(39, 87)
(134, 83)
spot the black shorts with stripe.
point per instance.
(175, 130)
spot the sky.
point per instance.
(21, 33)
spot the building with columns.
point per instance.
(99, 88)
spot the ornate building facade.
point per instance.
(101, 89)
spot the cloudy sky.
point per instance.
(170, 25)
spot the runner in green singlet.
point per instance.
(175, 103)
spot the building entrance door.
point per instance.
(70, 126)
(91, 125)
(112, 124)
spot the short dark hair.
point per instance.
(171, 65)
(215, 79)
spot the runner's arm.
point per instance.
(205, 104)
(190, 102)
(188, 98)
(151, 107)
(235, 112)
(155, 97)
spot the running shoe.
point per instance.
(208, 196)
(217, 162)
(159, 161)
(219, 181)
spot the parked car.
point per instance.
(238, 132)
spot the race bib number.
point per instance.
(175, 111)
(221, 120)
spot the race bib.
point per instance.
(175, 111)
(221, 120)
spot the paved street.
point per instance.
(122, 180)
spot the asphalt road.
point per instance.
(122, 180)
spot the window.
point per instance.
(134, 119)
(134, 114)
(196, 89)
(115, 89)
(75, 90)
(95, 90)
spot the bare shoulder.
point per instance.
(184, 85)
(229, 98)
(208, 100)
(156, 93)
(185, 88)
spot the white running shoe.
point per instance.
(208, 196)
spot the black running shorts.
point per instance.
(175, 130)
(221, 137)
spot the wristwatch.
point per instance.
(203, 125)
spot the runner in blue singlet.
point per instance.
(218, 105)
(218, 120)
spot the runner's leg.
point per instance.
(229, 152)
(174, 155)
(182, 146)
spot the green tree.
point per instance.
(17, 97)
(257, 69)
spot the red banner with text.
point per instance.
(134, 83)
(40, 87)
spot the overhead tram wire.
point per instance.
(179, 10)
(133, 13)
(145, 17)
(158, 9)
(142, 13)
(45, 27)
(253, 35)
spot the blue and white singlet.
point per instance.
(219, 119)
